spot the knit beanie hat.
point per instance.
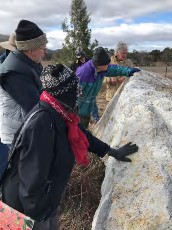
(100, 57)
(61, 82)
(29, 36)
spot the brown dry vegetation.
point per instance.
(82, 196)
(159, 69)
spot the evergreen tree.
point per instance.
(78, 33)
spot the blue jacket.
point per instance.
(91, 82)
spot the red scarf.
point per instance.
(77, 139)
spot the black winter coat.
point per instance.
(42, 164)
(20, 78)
(77, 64)
(4, 56)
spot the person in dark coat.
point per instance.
(4, 55)
(20, 85)
(80, 59)
(9, 46)
(52, 142)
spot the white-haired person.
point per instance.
(119, 58)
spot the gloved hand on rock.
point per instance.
(124, 151)
(133, 70)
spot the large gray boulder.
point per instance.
(138, 195)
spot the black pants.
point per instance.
(52, 223)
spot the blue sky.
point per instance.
(144, 25)
(156, 18)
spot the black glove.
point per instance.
(121, 153)
(133, 70)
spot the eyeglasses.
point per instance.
(44, 49)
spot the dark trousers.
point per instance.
(52, 223)
(4, 150)
(84, 121)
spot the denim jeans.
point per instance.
(4, 149)
(95, 112)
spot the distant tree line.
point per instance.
(145, 58)
(78, 36)
(140, 58)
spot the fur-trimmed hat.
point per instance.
(61, 82)
(29, 36)
(10, 44)
(100, 57)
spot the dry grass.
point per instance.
(82, 196)
(159, 69)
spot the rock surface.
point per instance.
(138, 195)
